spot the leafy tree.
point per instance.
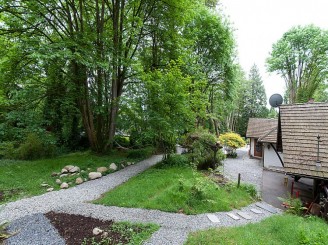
(300, 57)
(210, 60)
(98, 46)
(70, 68)
(168, 108)
(272, 113)
(321, 94)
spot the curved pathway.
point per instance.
(174, 227)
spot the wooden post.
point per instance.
(238, 184)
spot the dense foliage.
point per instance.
(249, 101)
(300, 57)
(78, 72)
(205, 150)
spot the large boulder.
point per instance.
(94, 175)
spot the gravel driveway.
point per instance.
(26, 215)
(250, 169)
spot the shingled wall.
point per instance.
(300, 126)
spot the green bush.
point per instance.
(120, 140)
(201, 144)
(34, 147)
(176, 161)
(8, 150)
(141, 139)
(140, 153)
(294, 205)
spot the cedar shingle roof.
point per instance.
(270, 137)
(300, 126)
(260, 127)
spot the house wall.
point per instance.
(252, 147)
(270, 157)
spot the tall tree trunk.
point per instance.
(79, 74)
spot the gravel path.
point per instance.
(174, 227)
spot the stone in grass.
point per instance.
(113, 166)
(94, 175)
(75, 169)
(69, 167)
(58, 181)
(50, 189)
(44, 185)
(96, 231)
(63, 175)
(63, 171)
(102, 169)
(78, 181)
(64, 185)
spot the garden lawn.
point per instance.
(176, 189)
(282, 229)
(20, 179)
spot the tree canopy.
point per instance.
(87, 70)
(300, 57)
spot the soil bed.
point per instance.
(77, 229)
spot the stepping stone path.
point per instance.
(266, 207)
(244, 215)
(256, 211)
(213, 218)
(235, 217)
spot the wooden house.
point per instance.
(262, 133)
(304, 135)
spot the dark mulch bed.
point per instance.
(76, 228)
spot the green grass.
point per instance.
(282, 229)
(176, 189)
(20, 179)
(135, 233)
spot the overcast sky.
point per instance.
(260, 23)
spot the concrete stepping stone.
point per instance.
(213, 218)
(244, 215)
(233, 216)
(256, 211)
(266, 207)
